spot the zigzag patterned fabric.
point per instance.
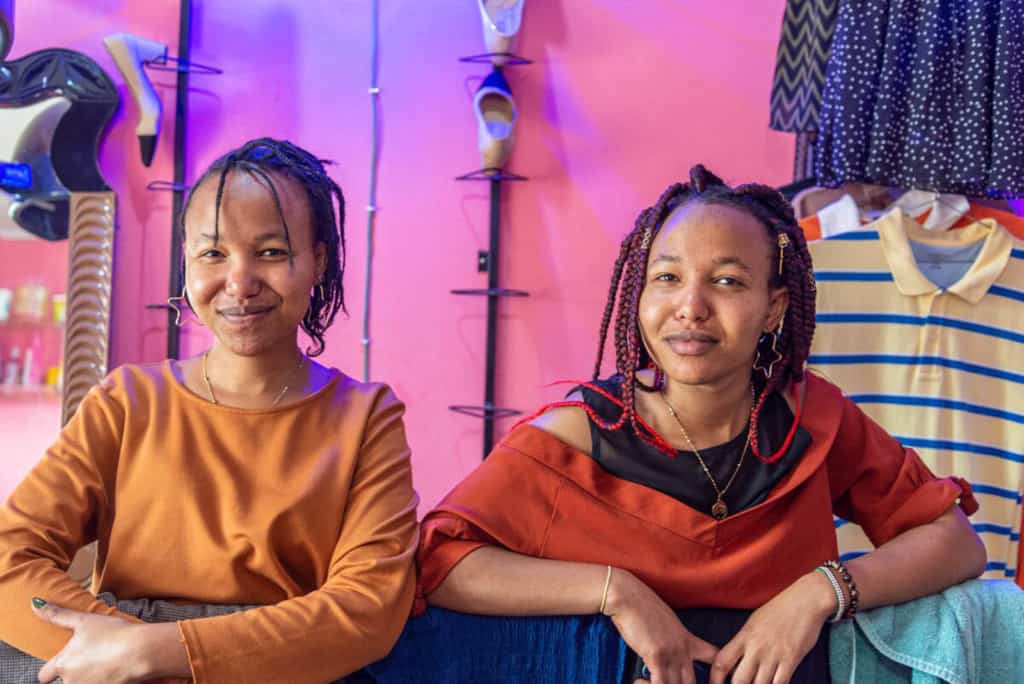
(800, 64)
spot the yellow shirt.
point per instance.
(308, 508)
(942, 369)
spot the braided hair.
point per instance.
(629, 275)
(265, 158)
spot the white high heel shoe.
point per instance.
(502, 20)
(6, 27)
(129, 53)
(496, 119)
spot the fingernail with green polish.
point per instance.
(38, 602)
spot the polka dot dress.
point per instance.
(926, 94)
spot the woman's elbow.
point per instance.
(970, 548)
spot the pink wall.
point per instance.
(622, 98)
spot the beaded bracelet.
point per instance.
(851, 587)
(840, 596)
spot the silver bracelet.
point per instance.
(840, 596)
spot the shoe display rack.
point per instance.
(496, 115)
(182, 66)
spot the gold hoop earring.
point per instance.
(776, 355)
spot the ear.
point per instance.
(320, 253)
(776, 309)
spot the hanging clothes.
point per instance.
(800, 64)
(926, 94)
(922, 331)
(940, 212)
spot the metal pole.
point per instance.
(492, 315)
(181, 100)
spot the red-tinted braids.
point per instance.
(629, 275)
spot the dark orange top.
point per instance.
(537, 496)
(307, 508)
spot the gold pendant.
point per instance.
(719, 510)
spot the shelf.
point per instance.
(29, 394)
(492, 292)
(493, 412)
(22, 324)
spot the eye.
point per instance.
(211, 254)
(728, 281)
(274, 252)
(665, 278)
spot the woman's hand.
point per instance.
(778, 635)
(652, 629)
(109, 650)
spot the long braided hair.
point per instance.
(630, 273)
(265, 158)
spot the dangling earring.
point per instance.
(323, 295)
(172, 302)
(777, 356)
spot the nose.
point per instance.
(692, 303)
(243, 279)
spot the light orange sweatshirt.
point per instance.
(308, 508)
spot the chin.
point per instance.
(689, 373)
(252, 344)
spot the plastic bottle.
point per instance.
(13, 367)
(29, 367)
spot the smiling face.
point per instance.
(707, 296)
(247, 284)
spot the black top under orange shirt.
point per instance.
(623, 454)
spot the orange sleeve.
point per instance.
(507, 502)
(57, 509)
(881, 485)
(357, 614)
(811, 225)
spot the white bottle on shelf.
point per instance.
(12, 368)
(28, 366)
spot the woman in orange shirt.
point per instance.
(249, 475)
(704, 475)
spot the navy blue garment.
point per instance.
(926, 94)
(444, 646)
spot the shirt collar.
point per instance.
(896, 230)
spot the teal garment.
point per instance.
(970, 633)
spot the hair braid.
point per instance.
(629, 278)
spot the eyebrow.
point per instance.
(719, 261)
(732, 261)
(262, 237)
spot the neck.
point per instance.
(712, 414)
(256, 375)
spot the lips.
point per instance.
(691, 342)
(244, 315)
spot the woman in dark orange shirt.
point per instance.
(703, 476)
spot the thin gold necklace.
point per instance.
(718, 509)
(277, 399)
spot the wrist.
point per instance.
(824, 601)
(161, 651)
(619, 588)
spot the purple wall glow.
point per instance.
(622, 98)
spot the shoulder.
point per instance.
(370, 396)
(135, 383)
(363, 406)
(570, 424)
